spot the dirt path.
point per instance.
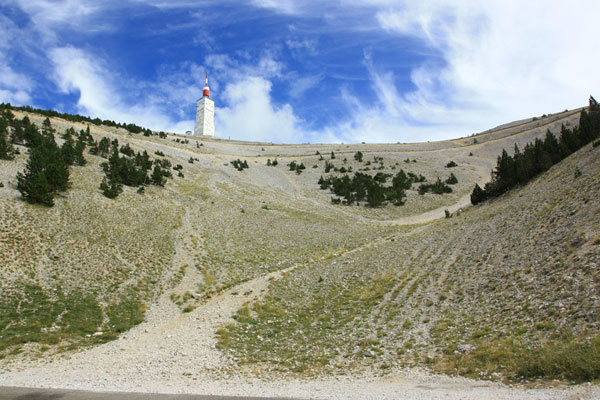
(438, 213)
(174, 352)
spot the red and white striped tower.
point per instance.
(205, 113)
(206, 91)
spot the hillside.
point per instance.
(314, 288)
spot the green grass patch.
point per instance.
(32, 314)
(125, 314)
(566, 358)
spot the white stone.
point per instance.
(205, 117)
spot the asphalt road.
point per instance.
(12, 393)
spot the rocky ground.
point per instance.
(254, 283)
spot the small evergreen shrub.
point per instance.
(239, 164)
(452, 180)
(438, 187)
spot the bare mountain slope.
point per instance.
(520, 272)
(315, 288)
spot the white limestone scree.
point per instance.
(205, 113)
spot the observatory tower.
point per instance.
(205, 113)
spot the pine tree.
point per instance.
(78, 152)
(47, 129)
(34, 188)
(110, 188)
(375, 194)
(31, 134)
(452, 180)
(478, 195)
(68, 149)
(45, 173)
(103, 147)
(6, 148)
(401, 181)
(158, 176)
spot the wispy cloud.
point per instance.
(479, 64)
(504, 59)
(49, 15)
(299, 85)
(15, 87)
(78, 72)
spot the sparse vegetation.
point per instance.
(540, 155)
(47, 170)
(133, 128)
(366, 187)
(438, 187)
(298, 168)
(360, 289)
(452, 180)
(239, 164)
(129, 171)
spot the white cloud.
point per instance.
(302, 45)
(281, 6)
(15, 97)
(77, 72)
(502, 59)
(49, 15)
(492, 62)
(496, 61)
(301, 84)
(251, 115)
(15, 87)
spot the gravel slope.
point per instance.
(174, 352)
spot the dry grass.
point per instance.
(365, 293)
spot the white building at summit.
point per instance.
(205, 113)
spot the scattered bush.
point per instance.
(328, 166)
(294, 166)
(452, 180)
(239, 164)
(368, 188)
(578, 362)
(451, 164)
(438, 187)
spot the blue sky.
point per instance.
(303, 71)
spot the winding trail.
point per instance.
(175, 352)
